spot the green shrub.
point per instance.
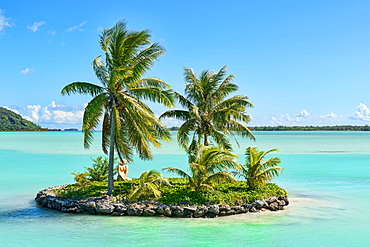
(180, 194)
(99, 170)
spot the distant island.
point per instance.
(304, 128)
(11, 121)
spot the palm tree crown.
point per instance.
(208, 112)
(207, 167)
(149, 184)
(257, 171)
(128, 125)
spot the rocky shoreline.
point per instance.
(106, 206)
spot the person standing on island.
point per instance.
(122, 171)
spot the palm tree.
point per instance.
(207, 167)
(149, 184)
(208, 112)
(257, 171)
(128, 123)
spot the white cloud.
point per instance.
(4, 21)
(13, 110)
(172, 122)
(363, 112)
(304, 118)
(27, 70)
(78, 27)
(32, 113)
(331, 115)
(304, 113)
(36, 26)
(54, 114)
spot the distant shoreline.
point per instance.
(304, 128)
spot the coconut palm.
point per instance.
(128, 124)
(208, 167)
(149, 185)
(257, 171)
(208, 113)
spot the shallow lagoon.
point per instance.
(327, 175)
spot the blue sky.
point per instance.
(299, 62)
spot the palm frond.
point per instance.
(154, 94)
(184, 132)
(82, 88)
(177, 171)
(91, 118)
(178, 114)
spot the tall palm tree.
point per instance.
(257, 171)
(208, 167)
(208, 113)
(128, 123)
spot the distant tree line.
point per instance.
(304, 128)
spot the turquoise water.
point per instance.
(327, 175)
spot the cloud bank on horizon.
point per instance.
(63, 116)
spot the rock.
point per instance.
(247, 206)
(222, 213)
(253, 210)
(200, 211)
(71, 210)
(177, 211)
(285, 199)
(224, 208)
(88, 207)
(210, 215)
(164, 210)
(122, 209)
(104, 208)
(192, 209)
(104, 205)
(117, 214)
(148, 212)
(273, 206)
(271, 200)
(237, 209)
(280, 202)
(260, 204)
(134, 211)
(214, 209)
(230, 212)
(188, 213)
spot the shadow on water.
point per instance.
(28, 213)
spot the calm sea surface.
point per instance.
(327, 175)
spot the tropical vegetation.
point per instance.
(207, 167)
(209, 115)
(11, 121)
(257, 170)
(128, 124)
(149, 185)
(100, 169)
(179, 193)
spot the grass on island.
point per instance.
(179, 193)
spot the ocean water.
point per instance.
(327, 175)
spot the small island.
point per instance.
(214, 183)
(112, 205)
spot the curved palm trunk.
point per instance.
(111, 156)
